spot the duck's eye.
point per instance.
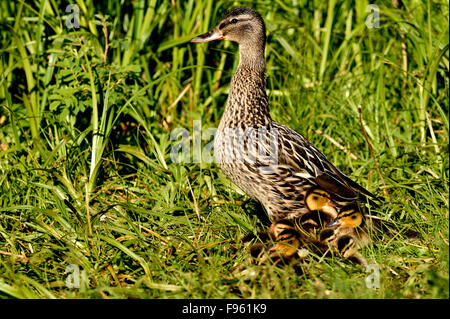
(353, 217)
(234, 20)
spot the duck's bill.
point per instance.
(208, 36)
(333, 223)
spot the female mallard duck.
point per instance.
(269, 161)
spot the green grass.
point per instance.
(86, 176)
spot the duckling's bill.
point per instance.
(208, 36)
(333, 223)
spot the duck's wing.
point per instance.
(296, 151)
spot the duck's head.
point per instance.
(349, 216)
(241, 24)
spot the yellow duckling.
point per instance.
(321, 212)
(318, 199)
(287, 239)
(349, 216)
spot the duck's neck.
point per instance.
(252, 56)
(247, 102)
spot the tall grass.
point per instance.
(86, 176)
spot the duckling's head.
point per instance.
(242, 25)
(317, 199)
(281, 227)
(349, 216)
(344, 243)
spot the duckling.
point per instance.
(365, 224)
(318, 199)
(348, 246)
(321, 211)
(287, 243)
(349, 216)
(347, 233)
(271, 162)
(287, 239)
